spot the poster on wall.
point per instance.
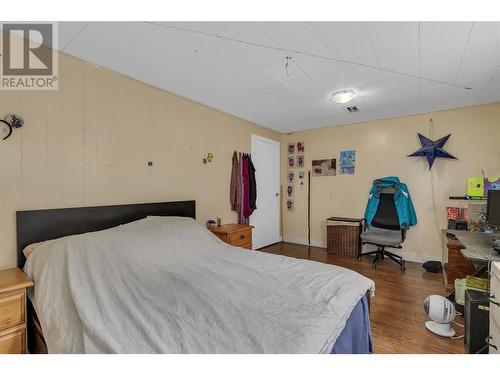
(291, 149)
(301, 175)
(289, 191)
(289, 204)
(479, 186)
(324, 167)
(300, 147)
(290, 176)
(291, 162)
(300, 161)
(347, 163)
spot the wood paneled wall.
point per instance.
(89, 143)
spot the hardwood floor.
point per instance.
(397, 315)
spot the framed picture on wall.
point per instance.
(291, 149)
(291, 162)
(300, 161)
(290, 177)
(300, 147)
(347, 163)
(324, 167)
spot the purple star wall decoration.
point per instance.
(432, 149)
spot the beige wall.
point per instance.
(89, 144)
(381, 148)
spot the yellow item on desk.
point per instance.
(478, 283)
(475, 186)
(469, 282)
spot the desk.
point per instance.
(470, 254)
(477, 246)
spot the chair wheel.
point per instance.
(374, 266)
(403, 268)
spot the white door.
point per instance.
(266, 218)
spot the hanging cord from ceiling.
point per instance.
(287, 64)
(298, 52)
(433, 194)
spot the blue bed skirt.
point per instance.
(355, 338)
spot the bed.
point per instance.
(148, 278)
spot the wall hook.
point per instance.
(12, 121)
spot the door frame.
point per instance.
(254, 139)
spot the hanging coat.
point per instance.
(402, 200)
(247, 210)
(253, 184)
(235, 185)
(241, 217)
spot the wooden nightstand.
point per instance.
(234, 234)
(13, 284)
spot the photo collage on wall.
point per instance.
(296, 160)
(329, 167)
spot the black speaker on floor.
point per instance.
(477, 320)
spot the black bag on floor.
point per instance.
(432, 266)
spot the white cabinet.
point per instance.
(494, 339)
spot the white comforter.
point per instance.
(168, 285)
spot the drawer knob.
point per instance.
(488, 339)
(494, 302)
(242, 236)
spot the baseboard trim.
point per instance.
(302, 241)
(409, 256)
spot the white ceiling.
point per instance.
(398, 68)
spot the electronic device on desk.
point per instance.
(451, 236)
(476, 323)
(493, 213)
(457, 224)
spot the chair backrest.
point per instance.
(386, 216)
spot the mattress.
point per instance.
(170, 286)
(355, 338)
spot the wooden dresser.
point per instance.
(234, 234)
(13, 284)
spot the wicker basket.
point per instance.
(343, 237)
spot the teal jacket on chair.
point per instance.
(402, 200)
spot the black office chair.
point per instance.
(385, 230)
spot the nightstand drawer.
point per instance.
(241, 239)
(11, 309)
(13, 341)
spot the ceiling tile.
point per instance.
(68, 31)
(101, 42)
(295, 36)
(482, 51)
(348, 41)
(442, 45)
(396, 45)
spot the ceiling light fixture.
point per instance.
(344, 96)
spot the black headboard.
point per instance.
(42, 225)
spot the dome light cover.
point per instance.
(344, 96)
